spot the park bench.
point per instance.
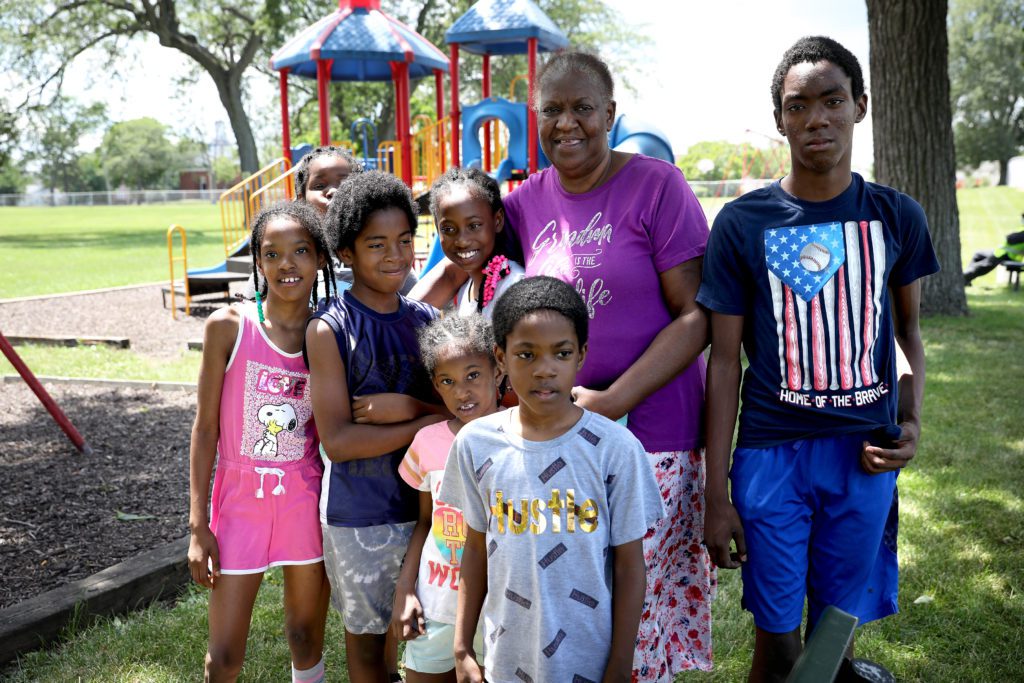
(1013, 269)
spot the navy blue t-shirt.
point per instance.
(811, 280)
(381, 355)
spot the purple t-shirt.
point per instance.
(611, 243)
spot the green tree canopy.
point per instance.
(229, 40)
(136, 153)
(986, 73)
(61, 124)
(722, 160)
(40, 39)
(589, 24)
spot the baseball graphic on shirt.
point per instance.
(815, 257)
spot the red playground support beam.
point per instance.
(322, 80)
(286, 136)
(531, 113)
(453, 75)
(485, 90)
(439, 93)
(51, 406)
(404, 119)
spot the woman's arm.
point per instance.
(629, 584)
(342, 439)
(673, 349)
(472, 590)
(439, 285)
(219, 336)
(407, 616)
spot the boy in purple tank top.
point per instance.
(371, 394)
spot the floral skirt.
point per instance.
(675, 628)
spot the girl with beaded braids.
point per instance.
(255, 416)
(458, 352)
(466, 205)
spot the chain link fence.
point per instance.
(112, 198)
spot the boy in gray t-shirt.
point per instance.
(556, 500)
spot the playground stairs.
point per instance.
(215, 287)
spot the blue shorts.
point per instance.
(816, 526)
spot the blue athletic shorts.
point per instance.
(816, 526)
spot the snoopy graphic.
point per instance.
(277, 419)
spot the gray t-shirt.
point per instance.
(551, 511)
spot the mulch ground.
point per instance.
(66, 516)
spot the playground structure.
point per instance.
(359, 42)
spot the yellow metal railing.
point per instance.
(184, 269)
(279, 189)
(431, 148)
(234, 204)
(426, 231)
(512, 86)
(389, 157)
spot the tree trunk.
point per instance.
(229, 87)
(1004, 169)
(913, 133)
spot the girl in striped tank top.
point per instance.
(254, 415)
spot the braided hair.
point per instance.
(306, 216)
(455, 336)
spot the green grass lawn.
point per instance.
(961, 547)
(103, 362)
(64, 249)
(961, 535)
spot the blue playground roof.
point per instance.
(361, 42)
(501, 27)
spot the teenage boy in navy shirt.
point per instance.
(800, 273)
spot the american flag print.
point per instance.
(827, 284)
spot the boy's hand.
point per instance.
(467, 670)
(383, 409)
(202, 552)
(407, 616)
(722, 525)
(877, 459)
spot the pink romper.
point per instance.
(265, 503)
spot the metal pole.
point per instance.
(485, 90)
(322, 79)
(51, 406)
(456, 112)
(286, 136)
(531, 113)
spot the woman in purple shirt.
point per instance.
(627, 231)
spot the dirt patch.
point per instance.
(60, 518)
(66, 516)
(134, 313)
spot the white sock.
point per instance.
(313, 675)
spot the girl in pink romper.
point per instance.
(254, 414)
